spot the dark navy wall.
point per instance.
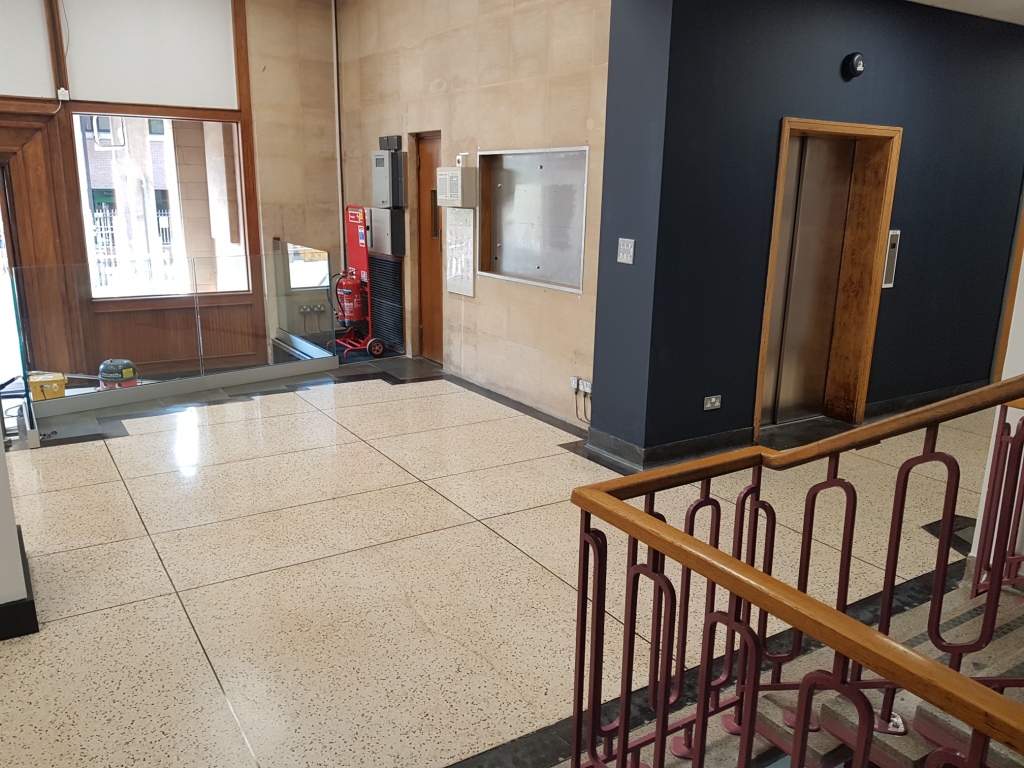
(955, 83)
(638, 70)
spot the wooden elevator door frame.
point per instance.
(865, 242)
(430, 254)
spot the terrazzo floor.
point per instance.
(351, 574)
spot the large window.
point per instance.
(162, 205)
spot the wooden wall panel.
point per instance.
(157, 339)
(864, 247)
(57, 310)
(228, 330)
(860, 278)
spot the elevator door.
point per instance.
(815, 202)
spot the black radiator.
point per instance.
(386, 309)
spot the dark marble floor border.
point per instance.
(550, 746)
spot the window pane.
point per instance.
(162, 205)
(307, 267)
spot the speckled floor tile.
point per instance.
(128, 686)
(419, 414)
(348, 393)
(247, 545)
(224, 491)
(500, 490)
(280, 404)
(980, 423)
(192, 445)
(969, 449)
(60, 466)
(875, 483)
(456, 450)
(550, 535)
(418, 652)
(94, 578)
(77, 517)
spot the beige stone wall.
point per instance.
(294, 103)
(488, 74)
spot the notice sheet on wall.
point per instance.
(459, 241)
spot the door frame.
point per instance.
(865, 243)
(414, 342)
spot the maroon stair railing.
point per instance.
(737, 663)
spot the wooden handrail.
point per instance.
(673, 476)
(976, 705)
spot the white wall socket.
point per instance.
(585, 386)
(712, 402)
(574, 382)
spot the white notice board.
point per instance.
(459, 242)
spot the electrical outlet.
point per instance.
(318, 308)
(585, 386)
(574, 382)
(712, 402)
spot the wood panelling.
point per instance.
(773, 262)
(49, 246)
(864, 247)
(247, 148)
(149, 110)
(1009, 300)
(163, 333)
(162, 336)
(57, 49)
(860, 277)
(486, 177)
(227, 330)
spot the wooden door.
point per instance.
(431, 262)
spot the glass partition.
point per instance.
(13, 387)
(301, 301)
(77, 342)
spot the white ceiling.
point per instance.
(1003, 10)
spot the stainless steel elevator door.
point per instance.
(817, 194)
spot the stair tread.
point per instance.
(839, 715)
(823, 750)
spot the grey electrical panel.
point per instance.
(387, 231)
(389, 172)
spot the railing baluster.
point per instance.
(733, 693)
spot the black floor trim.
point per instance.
(551, 745)
(517, 406)
(18, 618)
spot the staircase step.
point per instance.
(823, 750)
(840, 717)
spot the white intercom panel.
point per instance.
(456, 187)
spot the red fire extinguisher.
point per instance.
(350, 299)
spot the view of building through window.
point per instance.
(162, 205)
(307, 267)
